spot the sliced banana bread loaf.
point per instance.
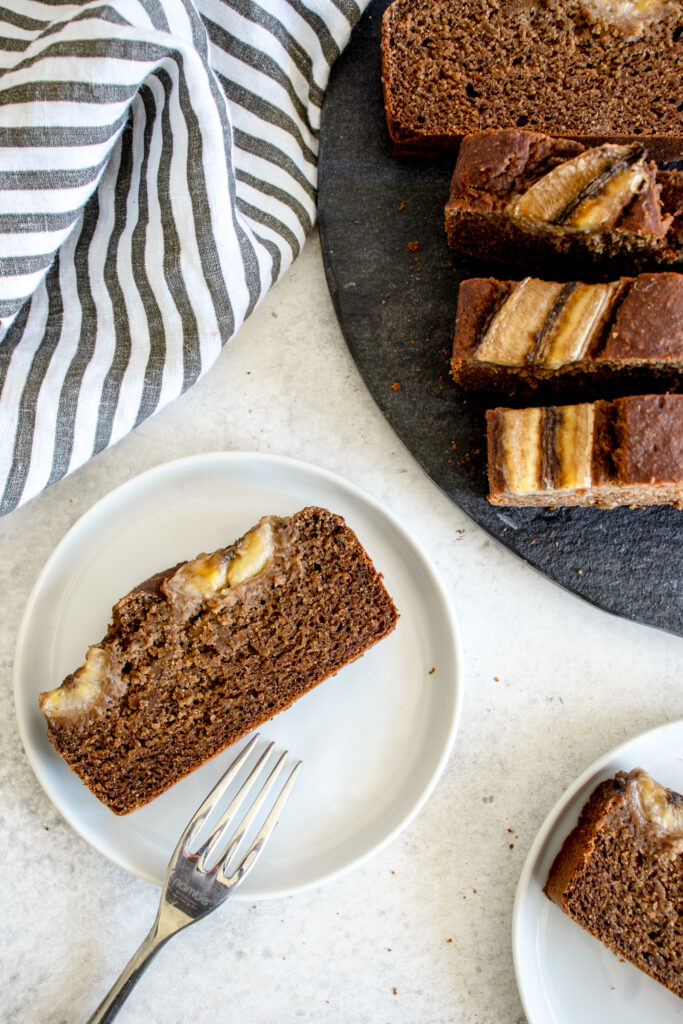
(198, 655)
(520, 196)
(625, 452)
(605, 70)
(519, 336)
(619, 874)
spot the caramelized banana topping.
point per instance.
(588, 191)
(513, 330)
(546, 323)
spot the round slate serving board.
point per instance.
(394, 284)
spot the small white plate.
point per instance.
(373, 739)
(564, 974)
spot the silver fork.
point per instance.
(198, 881)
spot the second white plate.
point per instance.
(564, 974)
(373, 739)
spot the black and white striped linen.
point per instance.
(157, 175)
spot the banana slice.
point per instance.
(588, 191)
(546, 323)
(514, 329)
(658, 805)
(209, 575)
(573, 324)
(84, 691)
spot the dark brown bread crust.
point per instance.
(604, 444)
(649, 321)
(623, 884)
(479, 299)
(494, 437)
(639, 342)
(494, 167)
(648, 432)
(558, 67)
(576, 848)
(193, 681)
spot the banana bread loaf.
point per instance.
(619, 874)
(520, 196)
(625, 452)
(198, 655)
(606, 70)
(519, 336)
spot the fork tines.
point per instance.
(217, 850)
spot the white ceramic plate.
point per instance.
(564, 975)
(373, 739)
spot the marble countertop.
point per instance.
(421, 933)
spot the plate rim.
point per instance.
(235, 457)
(589, 775)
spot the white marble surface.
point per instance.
(421, 933)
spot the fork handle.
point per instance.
(120, 990)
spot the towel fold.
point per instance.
(157, 175)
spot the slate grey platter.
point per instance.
(394, 283)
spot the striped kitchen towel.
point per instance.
(157, 176)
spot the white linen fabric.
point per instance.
(157, 176)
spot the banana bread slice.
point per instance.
(200, 654)
(520, 196)
(619, 874)
(519, 336)
(625, 452)
(600, 69)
